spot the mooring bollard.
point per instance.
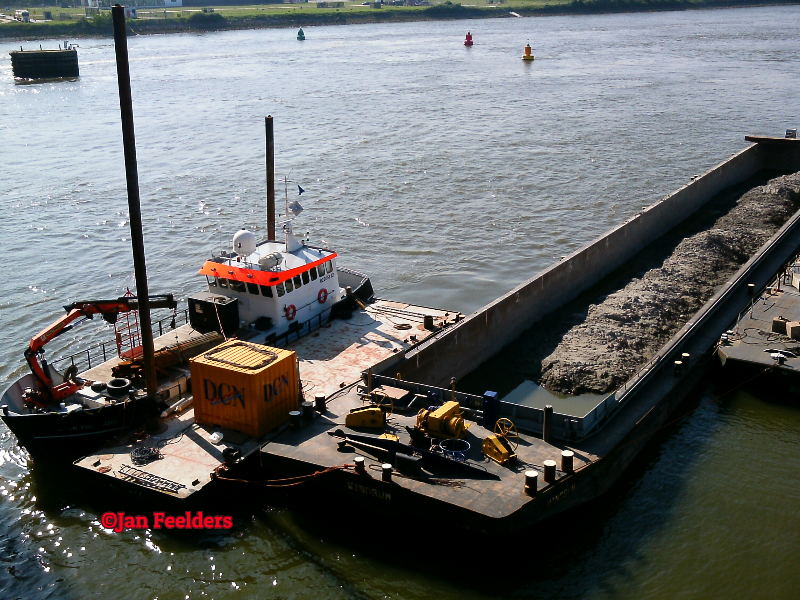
(685, 358)
(547, 424)
(678, 367)
(319, 403)
(566, 460)
(360, 469)
(531, 482)
(549, 471)
(386, 472)
(295, 418)
(751, 289)
(308, 410)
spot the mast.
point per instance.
(270, 178)
(132, 180)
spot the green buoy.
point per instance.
(300, 35)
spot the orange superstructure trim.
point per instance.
(215, 269)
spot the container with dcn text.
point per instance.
(245, 387)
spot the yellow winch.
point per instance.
(499, 447)
(367, 416)
(444, 422)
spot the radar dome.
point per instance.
(244, 242)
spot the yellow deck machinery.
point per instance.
(445, 421)
(501, 446)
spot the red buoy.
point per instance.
(468, 41)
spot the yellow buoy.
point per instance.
(527, 55)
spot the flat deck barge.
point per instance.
(488, 496)
(766, 336)
(330, 359)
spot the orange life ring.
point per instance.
(322, 296)
(291, 312)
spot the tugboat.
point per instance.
(282, 290)
(264, 291)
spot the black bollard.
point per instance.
(531, 482)
(566, 460)
(360, 468)
(547, 424)
(549, 471)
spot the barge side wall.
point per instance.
(459, 350)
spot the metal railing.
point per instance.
(100, 353)
(471, 401)
(305, 328)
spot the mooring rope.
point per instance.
(282, 483)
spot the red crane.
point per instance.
(109, 309)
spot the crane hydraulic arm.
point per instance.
(109, 309)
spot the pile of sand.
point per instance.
(629, 326)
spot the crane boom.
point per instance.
(108, 309)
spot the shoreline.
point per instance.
(442, 12)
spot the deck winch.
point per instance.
(446, 421)
(501, 447)
(366, 416)
(374, 415)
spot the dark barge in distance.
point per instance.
(45, 64)
(563, 460)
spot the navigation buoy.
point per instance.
(527, 55)
(300, 35)
(468, 40)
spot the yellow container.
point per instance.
(246, 387)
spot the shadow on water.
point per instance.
(522, 358)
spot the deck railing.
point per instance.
(302, 329)
(100, 353)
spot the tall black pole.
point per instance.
(132, 177)
(270, 179)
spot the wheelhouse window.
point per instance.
(305, 277)
(321, 270)
(266, 291)
(288, 285)
(329, 266)
(252, 288)
(212, 281)
(222, 282)
(313, 273)
(297, 283)
(280, 290)
(236, 286)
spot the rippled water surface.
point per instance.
(449, 175)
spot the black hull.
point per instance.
(45, 64)
(64, 437)
(361, 290)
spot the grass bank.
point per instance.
(72, 23)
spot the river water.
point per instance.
(449, 175)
